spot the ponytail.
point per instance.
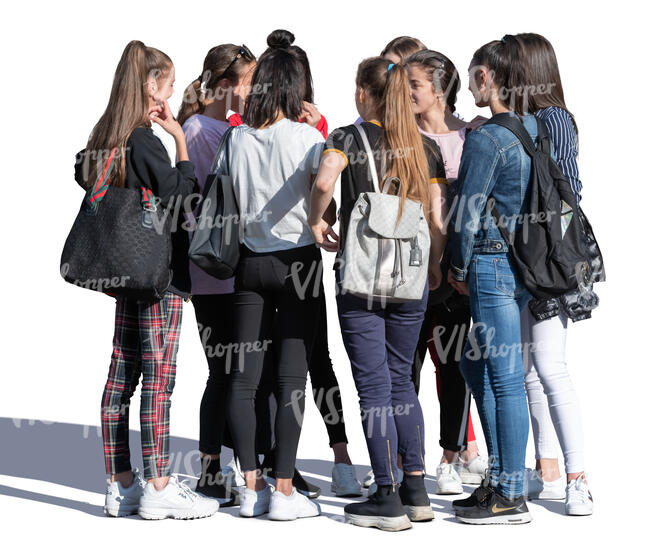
(127, 109)
(192, 102)
(505, 60)
(224, 61)
(391, 95)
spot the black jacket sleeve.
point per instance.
(148, 159)
(78, 169)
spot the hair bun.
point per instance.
(280, 38)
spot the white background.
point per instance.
(58, 64)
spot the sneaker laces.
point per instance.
(348, 473)
(183, 485)
(483, 491)
(137, 477)
(580, 489)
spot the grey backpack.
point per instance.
(384, 259)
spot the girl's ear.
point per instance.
(362, 95)
(483, 73)
(152, 87)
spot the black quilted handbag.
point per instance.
(120, 242)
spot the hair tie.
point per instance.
(390, 67)
(503, 39)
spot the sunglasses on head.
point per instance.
(244, 52)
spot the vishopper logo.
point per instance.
(234, 95)
(378, 416)
(474, 213)
(98, 158)
(375, 417)
(227, 350)
(324, 399)
(361, 157)
(98, 284)
(507, 95)
(181, 212)
(481, 346)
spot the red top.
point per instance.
(235, 120)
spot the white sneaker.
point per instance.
(175, 500)
(291, 507)
(344, 481)
(449, 482)
(232, 474)
(124, 501)
(579, 501)
(369, 479)
(537, 488)
(254, 503)
(472, 472)
(373, 486)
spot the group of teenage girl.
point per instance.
(284, 167)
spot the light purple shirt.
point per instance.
(202, 135)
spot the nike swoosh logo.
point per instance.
(496, 509)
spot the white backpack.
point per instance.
(384, 259)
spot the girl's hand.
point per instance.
(460, 287)
(435, 276)
(310, 114)
(163, 116)
(325, 236)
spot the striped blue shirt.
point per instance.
(565, 143)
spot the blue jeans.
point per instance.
(380, 343)
(493, 368)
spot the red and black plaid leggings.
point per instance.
(145, 344)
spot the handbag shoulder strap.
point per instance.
(371, 158)
(101, 185)
(224, 145)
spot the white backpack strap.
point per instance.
(371, 158)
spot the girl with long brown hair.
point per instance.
(552, 399)
(434, 84)
(219, 90)
(146, 333)
(381, 340)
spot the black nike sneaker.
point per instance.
(383, 510)
(480, 493)
(495, 509)
(213, 484)
(415, 498)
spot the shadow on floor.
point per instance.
(71, 455)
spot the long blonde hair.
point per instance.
(390, 95)
(127, 109)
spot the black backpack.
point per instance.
(547, 248)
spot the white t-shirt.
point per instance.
(272, 170)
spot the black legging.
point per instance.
(214, 318)
(453, 318)
(325, 387)
(276, 301)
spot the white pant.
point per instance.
(552, 400)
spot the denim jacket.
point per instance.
(493, 164)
